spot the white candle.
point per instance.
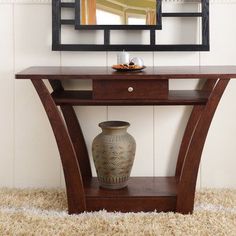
(123, 58)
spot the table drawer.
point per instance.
(130, 89)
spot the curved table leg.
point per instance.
(77, 138)
(188, 176)
(73, 178)
(190, 128)
(76, 134)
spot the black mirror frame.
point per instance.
(57, 22)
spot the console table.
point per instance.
(150, 87)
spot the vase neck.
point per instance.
(114, 131)
(114, 127)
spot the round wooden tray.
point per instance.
(128, 69)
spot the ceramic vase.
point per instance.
(113, 154)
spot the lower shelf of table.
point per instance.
(141, 194)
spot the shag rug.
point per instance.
(43, 212)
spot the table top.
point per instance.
(170, 72)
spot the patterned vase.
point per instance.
(113, 154)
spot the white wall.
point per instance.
(28, 152)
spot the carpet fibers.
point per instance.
(43, 212)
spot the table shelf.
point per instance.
(175, 97)
(141, 194)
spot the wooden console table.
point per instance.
(149, 87)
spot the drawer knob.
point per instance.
(130, 89)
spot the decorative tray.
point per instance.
(128, 68)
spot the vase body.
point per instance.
(113, 154)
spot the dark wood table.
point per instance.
(150, 87)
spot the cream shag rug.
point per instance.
(43, 212)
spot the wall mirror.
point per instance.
(110, 18)
(117, 14)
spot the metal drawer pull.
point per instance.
(130, 89)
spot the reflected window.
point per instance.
(107, 18)
(134, 20)
(118, 12)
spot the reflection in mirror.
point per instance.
(118, 12)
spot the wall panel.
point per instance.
(6, 96)
(36, 155)
(218, 160)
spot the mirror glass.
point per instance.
(118, 12)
